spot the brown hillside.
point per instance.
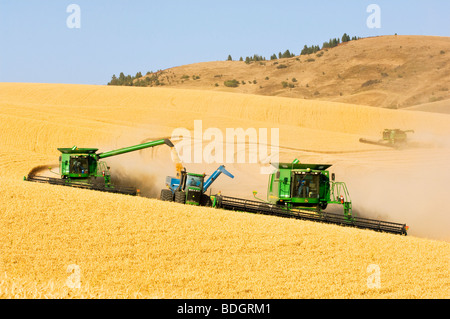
(388, 71)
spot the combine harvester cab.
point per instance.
(83, 168)
(304, 191)
(309, 187)
(190, 188)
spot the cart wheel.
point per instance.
(166, 195)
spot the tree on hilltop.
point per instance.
(346, 38)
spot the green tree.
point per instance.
(114, 80)
(346, 38)
(310, 50)
(287, 54)
(231, 83)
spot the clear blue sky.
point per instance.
(136, 35)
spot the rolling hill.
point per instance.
(388, 71)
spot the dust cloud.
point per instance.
(147, 175)
(413, 193)
(428, 140)
(410, 186)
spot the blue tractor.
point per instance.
(190, 188)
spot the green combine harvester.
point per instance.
(394, 138)
(305, 191)
(83, 168)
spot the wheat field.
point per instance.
(138, 247)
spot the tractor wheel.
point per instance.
(205, 201)
(166, 195)
(180, 197)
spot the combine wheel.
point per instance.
(180, 197)
(166, 195)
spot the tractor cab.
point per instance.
(186, 188)
(195, 180)
(193, 188)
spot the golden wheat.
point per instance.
(133, 247)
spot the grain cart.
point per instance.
(394, 138)
(190, 188)
(304, 191)
(83, 168)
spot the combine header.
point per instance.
(304, 191)
(82, 168)
(394, 138)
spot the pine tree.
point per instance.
(286, 54)
(121, 78)
(114, 80)
(345, 38)
(305, 50)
